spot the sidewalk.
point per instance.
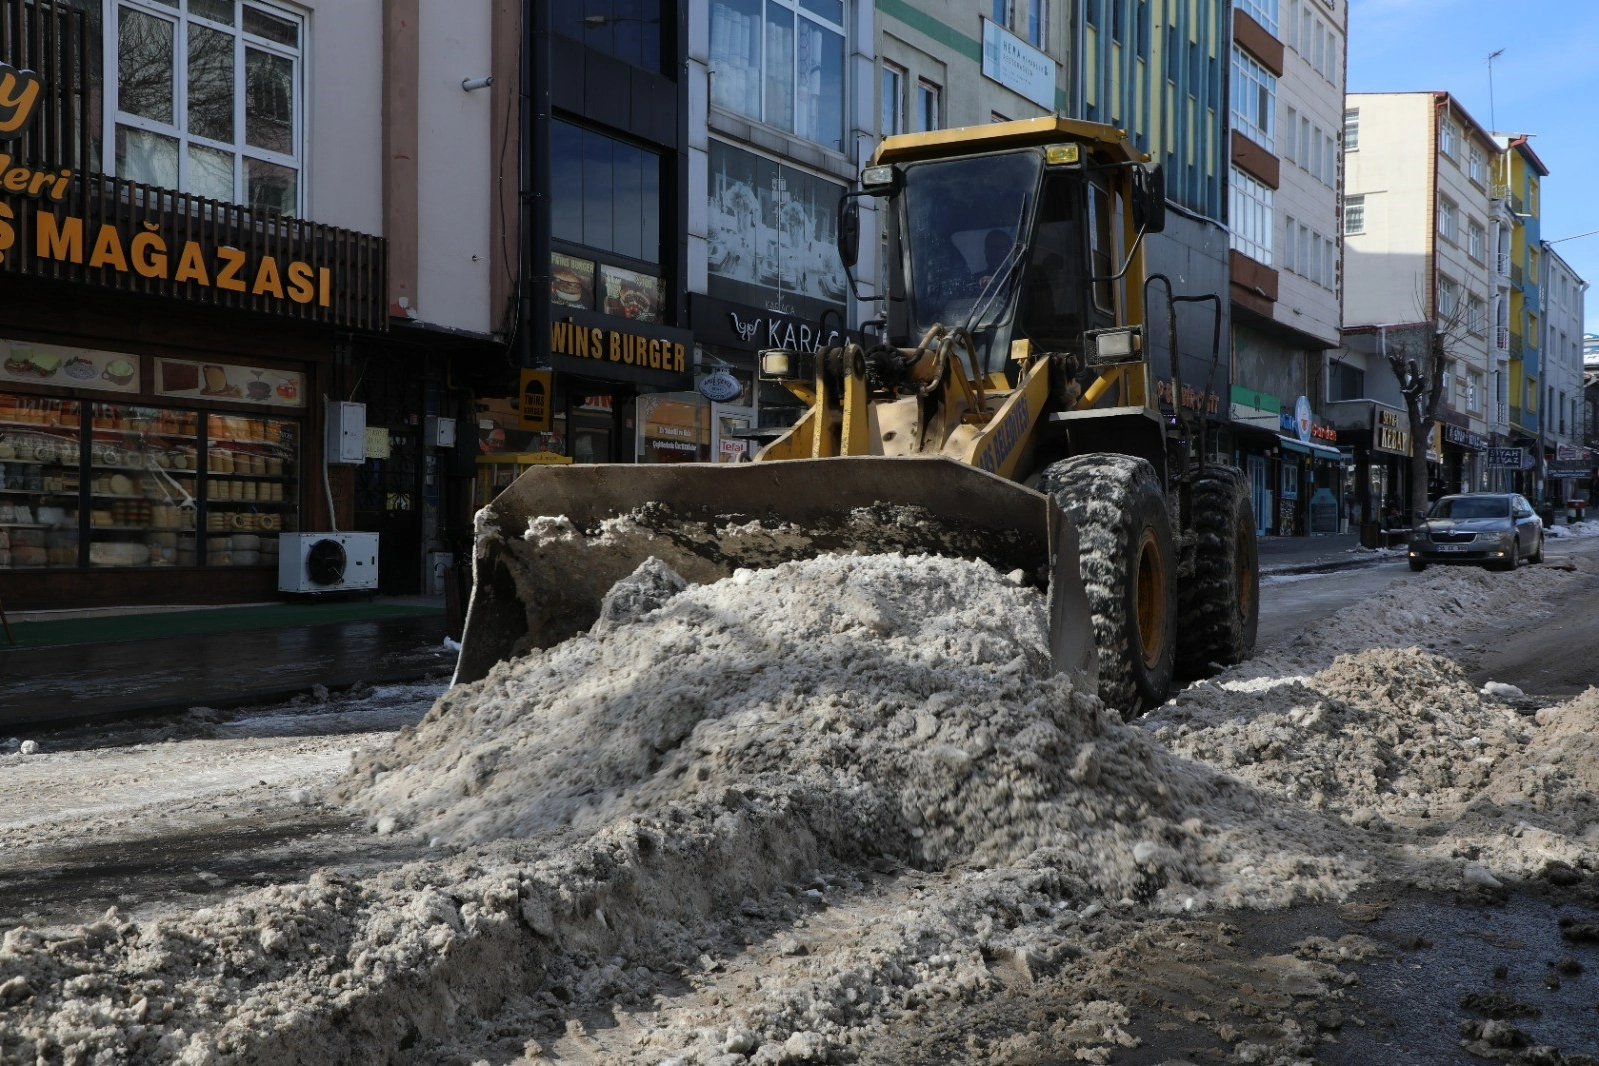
(1309, 555)
(103, 666)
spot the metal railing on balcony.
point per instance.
(1501, 414)
(1515, 273)
(1498, 190)
(1515, 344)
(1502, 264)
(1515, 204)
(1502, 339)
(1515, 415)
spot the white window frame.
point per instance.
(891, 72)
(1291, 142)
(1449, 138)
(928, 118)
(1474, 393)
(1354, 214)
(1290, 242)
(1477, 165)
(1448, 218)
(1476, 241)
(179, 16)
(1253, 213)
(1254, 100)
(1352, 129)
(1476, 314)
(1448, 296)
(1262, 11)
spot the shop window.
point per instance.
(249, 492)
(630, 30)
(781, 63)
(773, 230)
(40, 441)
(157, 492)
(206, 98)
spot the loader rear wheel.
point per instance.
(1129, 571)
(1218, 608)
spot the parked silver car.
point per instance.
(1499, 529)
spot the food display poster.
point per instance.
(78, 368)
(224, 381)
(631, 294)
(571, 281)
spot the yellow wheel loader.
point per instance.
(1007, 410)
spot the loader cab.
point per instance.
(1006, 245)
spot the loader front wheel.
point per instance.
(1129, 571)
(1218, 609)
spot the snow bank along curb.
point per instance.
(716, 763)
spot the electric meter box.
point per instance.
(346, 432)
(438, 432)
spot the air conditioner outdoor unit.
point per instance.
(327, 562)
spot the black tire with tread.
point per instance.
(1537, 556)
(1119, 508)
(1417, 565)
(1218, 607)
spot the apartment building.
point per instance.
(1562, 294)
(1418, 213)
(1284, 178)
(1517, 180)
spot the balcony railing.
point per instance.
(1515, 344)
(1515, 204)
(1501, 414)
(1502, 339)
(1498, 191)
(1502, 264)
(1515, 273)
(1515, 415)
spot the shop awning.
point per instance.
(1319, 451)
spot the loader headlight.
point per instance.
(785, 365)
(878, 180)
(1120, 345)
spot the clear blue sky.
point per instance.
(1546, 83)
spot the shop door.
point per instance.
(592, 437)
(1260, 493)
(388, 499)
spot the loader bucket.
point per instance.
(554, 542)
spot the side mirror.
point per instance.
(849, 232)
(1149, 198)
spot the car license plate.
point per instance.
(1451, 547)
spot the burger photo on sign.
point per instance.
(571, 281)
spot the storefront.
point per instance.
(730, 337)
(1463, 467)
(1297, 473)
(1377, 439)
(162, 363)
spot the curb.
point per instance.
(1327, 566)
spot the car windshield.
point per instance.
(1471, 507)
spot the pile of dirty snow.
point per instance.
(697, 778)
(914, 694)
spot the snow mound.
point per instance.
(909, 699)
